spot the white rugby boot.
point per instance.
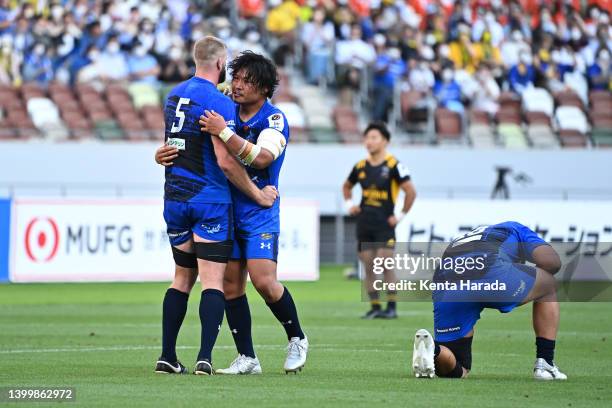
(546, 372)
(242, 365)
(296, 354)
(423, 355)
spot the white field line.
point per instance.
(318, 347)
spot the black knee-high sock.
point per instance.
(173, 314)
(212, 304)
(545, 349)
(286, 313)
(238, 317)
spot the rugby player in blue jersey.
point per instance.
(259, 142)
(198, 204)
(498, 278)
(262, 133)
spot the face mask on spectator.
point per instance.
(39, 49)
(526, 58)
(57, 12)
(196, 35)
(175, 53)
(447, 75)
(28, 13)
(253, 37)
(113, 48)
(517, 36)
(595, 13)
(490, 18)
(576, 34)
(604, 19)
(443, 51)
(394, 53)
(140, 51)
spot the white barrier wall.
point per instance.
(124, 240)
(440, 220)
(310, 171)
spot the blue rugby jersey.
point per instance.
(249, 217)
(195, 176)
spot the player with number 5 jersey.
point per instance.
(198, 205)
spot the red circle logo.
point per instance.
(41, 239)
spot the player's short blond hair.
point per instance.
(207, 50)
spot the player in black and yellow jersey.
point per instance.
(381, 177)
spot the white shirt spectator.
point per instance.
(511, 49)
(488, 23)
(113, 63)
(357, 53)
(421, 78)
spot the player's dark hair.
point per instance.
(381, 127)
(257, 69)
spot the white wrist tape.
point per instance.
(348, 204)
(226, 134)
(248, 153)
(400, 217)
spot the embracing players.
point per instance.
(381, 176)
(504, 248)
(198, 204)
(259, 142)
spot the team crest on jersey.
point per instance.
(384, 172)
(266, 236)
(276, 121)
(362, 175)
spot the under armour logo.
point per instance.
(263, 245)
(287, 322)
(234, 331)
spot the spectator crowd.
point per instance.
(462, 53)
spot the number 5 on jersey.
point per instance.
(180, 115)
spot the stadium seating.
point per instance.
(448, 126)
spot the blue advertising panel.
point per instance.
(5, 238)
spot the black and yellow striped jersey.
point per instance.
(379, 185)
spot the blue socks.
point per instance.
(286, 313)
(173, 314)
(238, 317)
(212, 304)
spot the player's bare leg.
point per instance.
(175, 307)
(238, 317)
(545, 315)
(280, 302)
(390, 277)
(367, 259)
(212, 305)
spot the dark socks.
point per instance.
(374, 300)
(212, 304)
(545, 349)
(238, 317)
(391, 300)
(173, 314)
(286, 313)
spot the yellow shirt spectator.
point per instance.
(284, 18)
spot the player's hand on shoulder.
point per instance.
(354, 210)
(165, 154)
(267, 196)
(212, 123)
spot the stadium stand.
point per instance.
(494, 73)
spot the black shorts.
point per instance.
(377, 234)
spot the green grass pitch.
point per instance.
(103, 339)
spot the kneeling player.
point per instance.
(505, 248)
